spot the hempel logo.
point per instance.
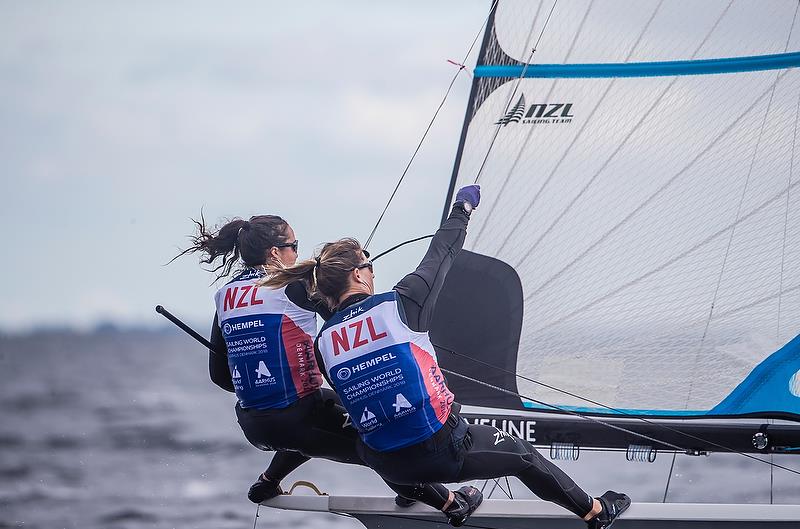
(546, 113)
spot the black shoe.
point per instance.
(613, 504)
(402, 501)
(465, 501)
(263, 490)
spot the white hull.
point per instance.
(382, 513)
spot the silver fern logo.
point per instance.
(537, 113)
(514, 114)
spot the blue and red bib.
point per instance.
(385, 373)
(270, 349)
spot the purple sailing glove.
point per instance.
(471, 194)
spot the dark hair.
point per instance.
(326, 275)
(248, 240)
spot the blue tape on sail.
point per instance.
(645, 69)
(772, 387)
(618, 411)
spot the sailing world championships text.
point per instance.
(373, 383)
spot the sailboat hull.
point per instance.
(382, 513)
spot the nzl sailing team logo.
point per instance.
(546, 113)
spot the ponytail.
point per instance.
(245, 240)
(326, 276)
(279, 276)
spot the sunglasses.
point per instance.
(368, 264)
(293, 245)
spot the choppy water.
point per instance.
(124, 430)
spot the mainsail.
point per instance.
(641, 177)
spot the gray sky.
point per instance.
(120, 120)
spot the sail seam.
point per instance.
(733, 229)
(649, 199)
(619, 147)
(577, 135)
(672, 261)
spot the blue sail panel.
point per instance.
(773, 386)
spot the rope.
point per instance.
(430, 124)
(791, 170)
(570, 412)
(669, 477)
(308, 485)
(396, 246)
(598, 421)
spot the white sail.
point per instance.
(653, 220)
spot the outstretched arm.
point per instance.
(420, 289)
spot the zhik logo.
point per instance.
(546, 113)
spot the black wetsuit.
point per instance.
(461, 451)
(312, 426)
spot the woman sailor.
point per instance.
(378, 357)
(263, 351)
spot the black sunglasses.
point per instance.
(293, 245)
(368, 264)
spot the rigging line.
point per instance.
(514, 91)
(621, 412)
(786, 217)
(656, 193)
(255, 520)
(620, 428)
(425, 134)
(741, 200)
(658, 268)
(577, 136)
(669, 477)
(396, 246)
(569, 412)
(616, 151)
(501, 191)
(730, 239)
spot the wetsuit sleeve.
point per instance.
(218, 359)
(297, 294)
(420, 289)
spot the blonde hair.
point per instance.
(326, 276)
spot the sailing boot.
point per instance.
(465, 501)
(264, 489)
(402, 501)
(613, 504)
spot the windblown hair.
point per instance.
(248, 240)
(326, 276)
